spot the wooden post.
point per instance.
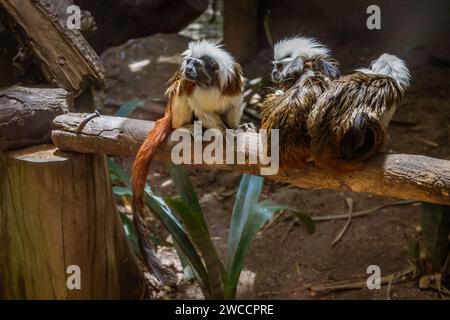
(241, 28)
(57, 210)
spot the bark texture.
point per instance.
(26, 115)
(403, 176)
(62, 55)
(57, 210)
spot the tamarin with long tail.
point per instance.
(348, 124)
(207, 87)
(302, 70)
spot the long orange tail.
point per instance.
(139, 173)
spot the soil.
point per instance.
(284, 260)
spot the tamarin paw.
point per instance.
(247, 127)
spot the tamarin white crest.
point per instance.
(206, 87)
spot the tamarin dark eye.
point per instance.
(193, 61)
(215, 66)
(210, 63)
(278, 65)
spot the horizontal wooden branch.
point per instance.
(403, 176)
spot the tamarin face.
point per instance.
(299, 56)
(203, 71)
(207, 65)
(287, 69)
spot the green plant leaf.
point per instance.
(170, 222)
(258, 216)
(248, 217)
(128, 107)
(238, 243)
(117, 173)
(247, 195)
(197, 228)
(309, 224)
(185, 188)
(130, 233)
(199, 234)
(122, 191)
(188, 272)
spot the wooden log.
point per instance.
(26, 115)
(57, 210)
(63, 55)
(403, 176)
(241, 15)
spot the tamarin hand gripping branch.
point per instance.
(302, 70)
(348, 123)
(206, 87)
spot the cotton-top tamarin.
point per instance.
(207, 87)
(348, 123)
(302, 70)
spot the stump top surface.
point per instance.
(42, 153)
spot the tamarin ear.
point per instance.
(329, 67)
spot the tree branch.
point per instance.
(403, 176)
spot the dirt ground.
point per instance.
(284, 260)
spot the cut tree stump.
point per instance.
(412, 177)
(26, 115)
(57, 210)
(62, 55)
